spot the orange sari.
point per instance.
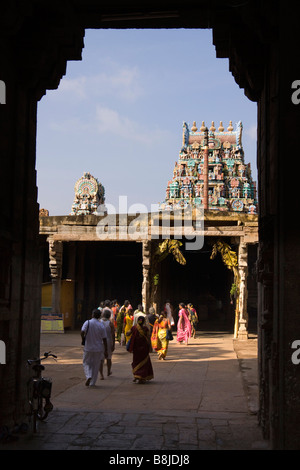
(154, 335)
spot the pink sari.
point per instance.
(184, 328)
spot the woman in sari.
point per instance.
(140, 347)
(115, 310)
(120, 320)
(162, 344)
(128, 322)
(154, 335)
(184, 327)
(193, 317)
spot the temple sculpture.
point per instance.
(89, 195)
(211, 167)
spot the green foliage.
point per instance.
(164, 249)
(156, 279)
(229, 256)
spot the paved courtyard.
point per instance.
(203, 397)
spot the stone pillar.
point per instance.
(242, 332)
(33, 55)
(55, 264)
(146, 274)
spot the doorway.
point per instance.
(203, 282)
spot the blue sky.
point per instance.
(118, 114)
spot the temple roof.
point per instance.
(221, 177)
(89, 195)
(220, 137)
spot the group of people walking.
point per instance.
(141, 333)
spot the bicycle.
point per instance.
(39, 391)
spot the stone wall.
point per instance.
(278, 264)
(19, 244)
(34, 47)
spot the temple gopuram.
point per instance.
(229, 181)
(89, 195)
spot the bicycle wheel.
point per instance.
(44, 408)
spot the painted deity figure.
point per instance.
(168, 192)
(242, 171)
(246, 190)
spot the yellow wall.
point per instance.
(66, 300)
(46, 294)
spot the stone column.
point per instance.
(146, 274)
(55, 264)
(33, 55)
(242, 332)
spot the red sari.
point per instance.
(139, 346)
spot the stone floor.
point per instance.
(203, 397)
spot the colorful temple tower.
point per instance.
(89, 194)
(211, 172)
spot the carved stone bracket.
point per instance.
(55, 264)
(55, 258)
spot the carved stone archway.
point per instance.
(37, 40)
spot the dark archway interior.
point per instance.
(104, 270)
(113, 270)
(203, 282)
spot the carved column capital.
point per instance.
(55, 258)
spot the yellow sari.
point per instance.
(162, 343)
(128, 322)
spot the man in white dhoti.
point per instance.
(95, 348)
